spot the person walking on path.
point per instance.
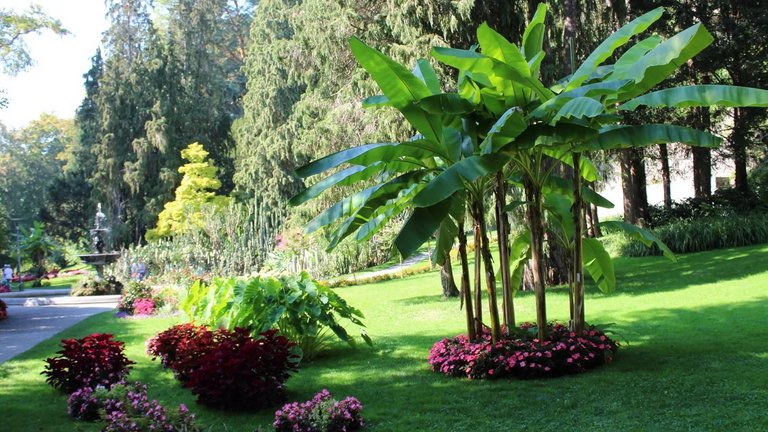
(7, 276)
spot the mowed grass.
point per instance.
(694, 357)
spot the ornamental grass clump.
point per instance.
(322, 413)
(95, 360)
(520, 355)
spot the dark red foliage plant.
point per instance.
(242, 372)
(227, 369)
(95, 360)
(520, 355)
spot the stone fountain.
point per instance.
(98, 259)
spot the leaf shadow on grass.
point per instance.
(640, 276)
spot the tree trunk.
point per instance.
(633, 186)
(447, 280)
(535, 220)
(666, 179)
(478, 214)
(465, 288)
(596, 231)
(578, 283)
(478, 286)
(502, 231)
(702, 172)
(739, 148)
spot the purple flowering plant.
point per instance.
(322, 413)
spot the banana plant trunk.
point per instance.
(478, 214)
(535, 219)
(465, 287)
(502, 229)
(577, 272)
(478, 284)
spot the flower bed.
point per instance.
(322, 413)
(521, 355)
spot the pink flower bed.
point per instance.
(521, 355)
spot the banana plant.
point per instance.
(581, 113)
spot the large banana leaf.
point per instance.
(545, 135)
(642, 235)
(344, 177)
(519, 254)
(634, 54)
(496, 46)
(449, 229)
(616, 137)
(333, 160)
(578, 108)
(384, 214)
(659, 63)
(701, 95)
(422, 224)
(397, 83)
(590, 90)
(599, 264)
(613, 42)
(426, 74)
(457, 176)
(565, 187)
(587, 169)
(508, 127)
(533, 39)
(445, 104)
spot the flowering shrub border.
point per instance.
(91, 361)
(521, 355)
(322, 413)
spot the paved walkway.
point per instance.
(26, 326)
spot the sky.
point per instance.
(54, 83)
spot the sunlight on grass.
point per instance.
(696, 359)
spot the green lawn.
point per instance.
(697, 359)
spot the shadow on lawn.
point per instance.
(639, 276)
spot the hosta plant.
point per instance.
(95, 360)
(299, 306)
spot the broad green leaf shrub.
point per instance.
(758, 181)
(521, 355)
(299, 306)
(703, 234)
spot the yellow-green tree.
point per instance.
(197, 190)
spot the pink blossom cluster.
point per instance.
(322, 413)
(519, 354)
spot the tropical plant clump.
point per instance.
(95, 360)
(299, 306)
(227, 369)
(322, 413)
(521, 355)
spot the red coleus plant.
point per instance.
(241, 372)
(227, 369)
(521, 355)
(94, 360)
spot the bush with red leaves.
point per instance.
(95, 360)
(520, 355)
(227, 369)
(241, 372)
